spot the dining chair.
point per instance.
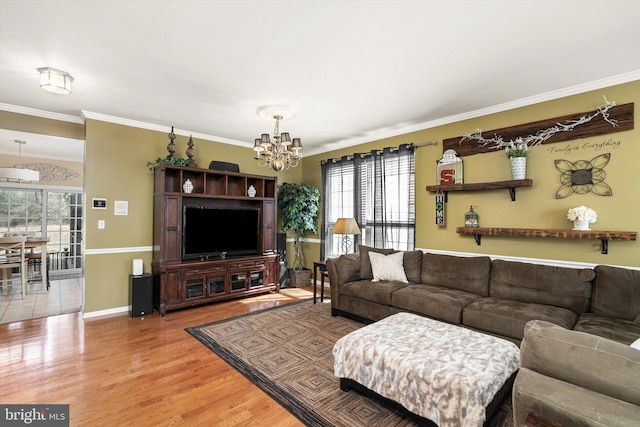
(12, 255)
(34, 259)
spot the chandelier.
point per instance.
(283, 153)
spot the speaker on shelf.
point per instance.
(282, 251)
(224, 166)
(141, 294)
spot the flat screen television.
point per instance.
(216, 233)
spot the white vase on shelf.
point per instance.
(581, 224)
(187, 186)
(251, 192)
(518, 167)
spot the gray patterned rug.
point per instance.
(287, 352)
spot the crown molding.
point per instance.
(511, 105)
(41, 113)
(159, 128)
(374, 136)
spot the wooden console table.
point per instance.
(604, 236)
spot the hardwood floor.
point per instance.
(145, 371)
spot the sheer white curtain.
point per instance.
(378, 190)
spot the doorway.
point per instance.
(56, 215)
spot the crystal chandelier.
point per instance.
(283, 153)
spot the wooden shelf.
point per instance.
(480, 186)
(604, 236)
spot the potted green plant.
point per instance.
(517, 153)
(298, 207)
(171, 161)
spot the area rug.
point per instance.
(287, 352)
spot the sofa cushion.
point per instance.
(588, 361)
(623, 331)
(508, 317)
(412, 262)
(365, 264)
(387, 267)
(541, 284)
(433, 301)
(469, 274)
(378, 292)
(413, 265)
(347, 268)
(616, 292)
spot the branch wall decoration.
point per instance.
(621, 115)
(583, 176)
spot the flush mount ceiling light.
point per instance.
(18, 173)
(283, 152)
(55, 81)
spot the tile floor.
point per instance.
(64, 296)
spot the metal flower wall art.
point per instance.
(583, 176)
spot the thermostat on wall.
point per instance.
(99, 203)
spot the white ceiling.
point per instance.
(350, 71)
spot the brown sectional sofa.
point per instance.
(494, 296)
(574, 326)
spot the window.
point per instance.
(378, 190)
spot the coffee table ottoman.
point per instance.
(441, 372)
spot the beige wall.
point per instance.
(535, 207)
(115, 169)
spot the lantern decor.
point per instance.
(471, 219)
(450, 169)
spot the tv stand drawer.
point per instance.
(246, 264)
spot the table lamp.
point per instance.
(346, 227)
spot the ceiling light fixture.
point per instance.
(18, 173)
(283, 153)
(55, 81)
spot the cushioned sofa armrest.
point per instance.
(345, 268)
(598, 364)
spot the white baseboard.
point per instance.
(108, 312)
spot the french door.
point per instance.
(53, 214)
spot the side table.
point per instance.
(322, 266)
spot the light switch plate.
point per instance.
(101, 224)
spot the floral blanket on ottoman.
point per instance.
(442, 372)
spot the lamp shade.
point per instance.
(346, 226)
(19, 174)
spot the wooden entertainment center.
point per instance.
(182, 283)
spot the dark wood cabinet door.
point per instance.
(173, 229)
(269, 226)
(174, 292)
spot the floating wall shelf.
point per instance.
(511, 185)
(604, 236)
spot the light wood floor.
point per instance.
(144, 371)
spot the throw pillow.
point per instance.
(636, 344)
(365, 263)
(387, 267)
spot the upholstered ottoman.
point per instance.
(440, 372)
